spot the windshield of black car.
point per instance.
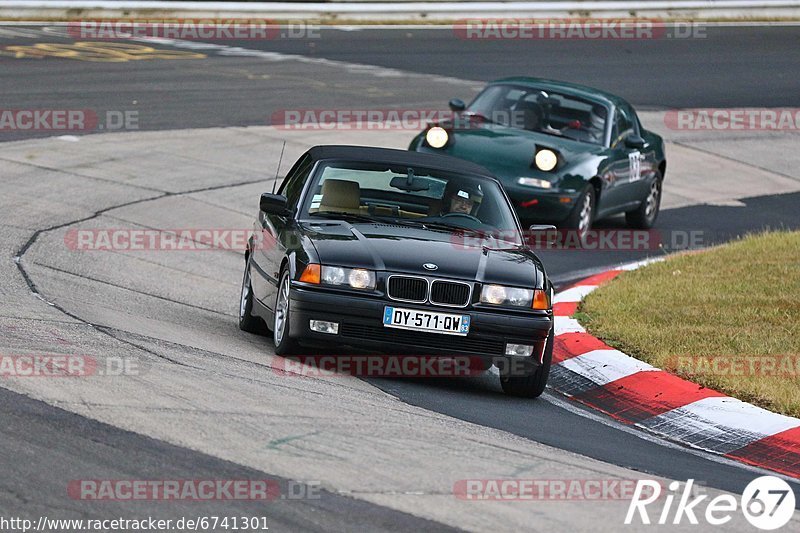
(411, 196)
(543, 111)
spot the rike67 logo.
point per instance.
(767, 503)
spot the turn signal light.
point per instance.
(540, 300)
(311, 274)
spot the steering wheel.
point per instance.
(464, 215)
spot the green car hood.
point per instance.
(508, 152)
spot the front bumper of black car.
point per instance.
(360, 321)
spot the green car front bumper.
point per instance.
(541, 206)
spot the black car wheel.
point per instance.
(582, 216)
(644, 217)
(533, 384)
(284, 344)
(248, 322)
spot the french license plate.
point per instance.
(397, 317)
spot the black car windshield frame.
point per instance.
(380, 190)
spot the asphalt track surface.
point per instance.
(730, 67)
(720, 66)
(53, 447)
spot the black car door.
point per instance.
(277, 232)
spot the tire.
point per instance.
(582, 215)
(248, 322)
(644, 217)
(532, 385)
(284, 344)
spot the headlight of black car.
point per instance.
(515, 297)
(355, 278)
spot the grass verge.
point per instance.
(727, 318)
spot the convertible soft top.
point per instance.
(398, 157)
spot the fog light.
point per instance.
(322, 326)
(522, 350)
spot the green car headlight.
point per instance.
(546, 160)
(436, 137)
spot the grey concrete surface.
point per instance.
(65, 446)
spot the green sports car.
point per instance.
(566, 154)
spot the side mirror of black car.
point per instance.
(274, 204)
(457, 104)
(634, 141)
(541, 235)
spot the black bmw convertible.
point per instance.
(401, 253)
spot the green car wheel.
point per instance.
(644, 217)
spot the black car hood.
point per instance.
(405, 249)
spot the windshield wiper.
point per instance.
(560, 133)
(444, 226)
(345, 215)
(479, 116)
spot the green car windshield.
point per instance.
(542, 111)
(414, 196)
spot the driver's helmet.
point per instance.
(597, 117)
(462, 198)
(529, 116)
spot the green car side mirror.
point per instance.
(634, 141)
(457, 104)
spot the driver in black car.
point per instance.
(462, 198)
